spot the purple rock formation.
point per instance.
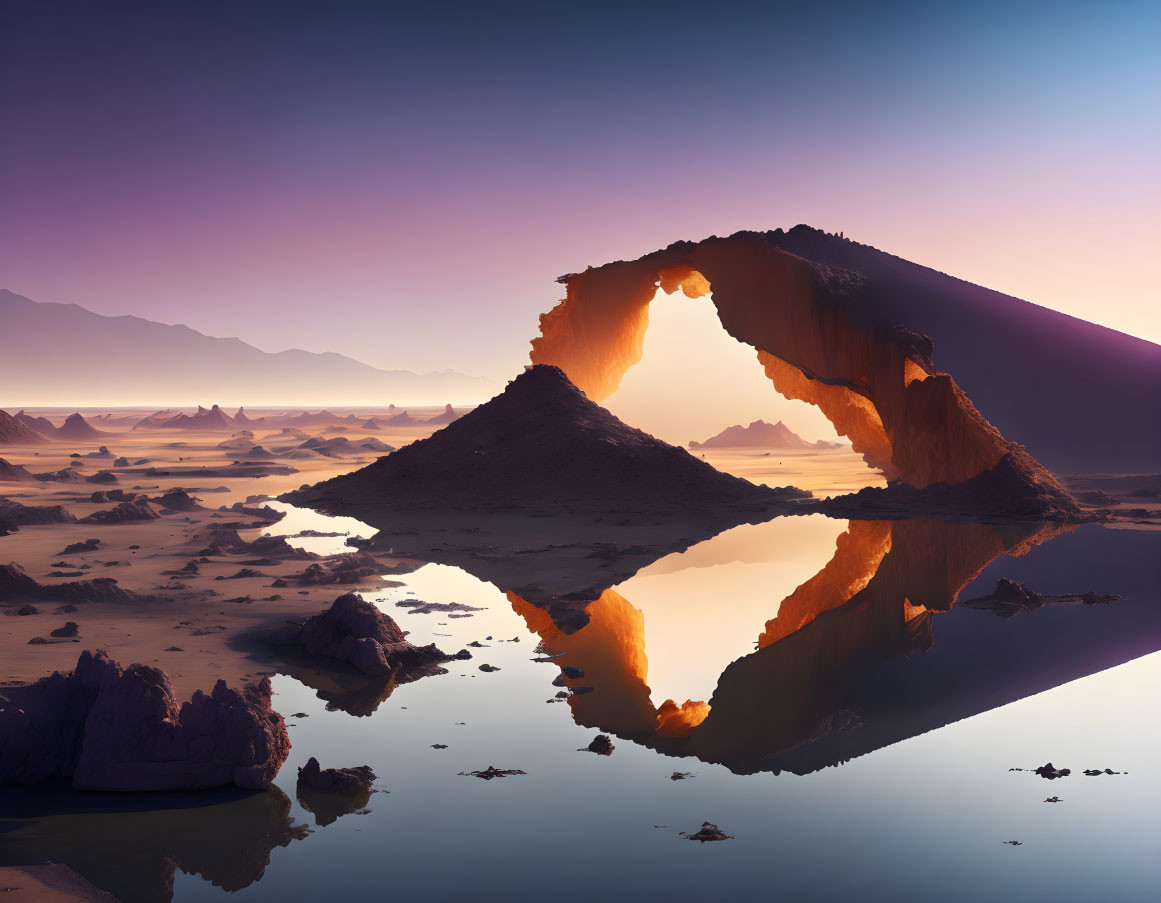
(347, 781)
(355, 631)
(126, 512)
(122, 730)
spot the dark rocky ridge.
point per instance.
(14, 432)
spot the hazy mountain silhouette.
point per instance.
(761, 434)
(62, 353)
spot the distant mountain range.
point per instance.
(761, 434)
(62, 354)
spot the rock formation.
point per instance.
(541, 444)
(761, 434)
(404, 419)
(14, 473)
(355, 631)
(445, 417)
(825, 335)
(14, 514)
(76, 429)
(329, 793)
(17, 586)
(42, 425)
(1011, 598)
(138, 509)
(13, 432)
(113, 729)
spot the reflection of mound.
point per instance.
(347, 691)
(226, 837)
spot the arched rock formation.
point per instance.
(817, 338)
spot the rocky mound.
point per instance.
(1011, 598)
(127, 512)
(14, 473)
(122, 730)
(14, 514)
(42, 425)
(444, 417)
(761, 434)
(68, 475)
(178, 500)
(213, 420)
(1017, 488)
(17, 586)
(76, 428)
(404, 419)
(353, 630)
(330, 793)
(13, 432)
(540, 444)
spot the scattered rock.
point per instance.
(601, 745)
(708, 832)
(70, 629)
(492, 772)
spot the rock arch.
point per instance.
(819, 336)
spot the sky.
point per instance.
(403, 182)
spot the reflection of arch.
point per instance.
(875, 600)
(872, 378)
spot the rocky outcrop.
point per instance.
(14, 473)
(329, 793)
(1017, 488)
(42, 425)
(177, 500)
(18, 586)
(541, 444)
(446, 416)
(76, 429)
(761, 434)
(14, 515)
(354, 631)
(1011, 598)
(212, 420)
(13, 432)
(123, 730)
(138, 509)
(68, 475)
(350, 567)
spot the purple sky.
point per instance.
(404, 188)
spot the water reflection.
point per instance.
(837, 671)
(132, 844)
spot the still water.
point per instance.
(839, 717)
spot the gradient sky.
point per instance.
(402, 184)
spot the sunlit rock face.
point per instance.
(822, 335)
